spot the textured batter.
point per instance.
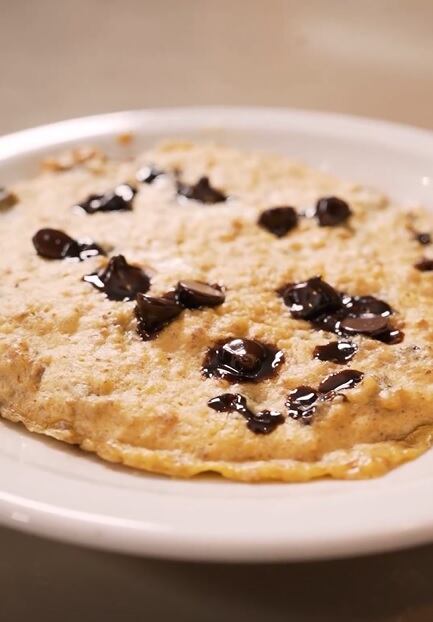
(72, 365)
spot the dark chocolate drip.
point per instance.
(119, 280)
(345, 379)
(332, 211)
(201, 191)
(242, 360)
(55, 244)
(302, 403)
(196, 294)
(263, 422)
(327, 309)
(336, 352)
(120, 199)
(278, 220)
(425, 265)
(153, 314)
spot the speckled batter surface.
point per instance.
(73, 366)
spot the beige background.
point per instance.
(61, 59)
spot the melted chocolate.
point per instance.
(302, 403)
(425, 265)
(242, 360)
(148, 174)
(330, 321)
(7, 199)
(331, 211)
(336, 352)
(120, 199)
(390, 336)
(360, 305)
(310, 299)
(263, 422)
(345, 379)
(55, 244)
(201, 191)
(119, 280)
(364, 325)
(423, 238)
(195, 294)
(153, 314)
(278, 220)
(336, 312)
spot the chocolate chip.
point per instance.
(7, 199)
(242, 360)
(278, 220)
(331, 211)
(345, 379)
(153, 314)
(336, 352)
(55, 244)
(195, 294)
(390, 336)
(423, 238)
(425, 265)
(263, 422)
(120, 199)
(301, 403)
(310, 299)
(119, 280)
(201, 191)
(336, 312)
(330, 321)
(148, 174)
(361, 305)
(228, 402)
(364, 325)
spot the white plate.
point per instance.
(57, 491)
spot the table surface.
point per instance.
(73, 58)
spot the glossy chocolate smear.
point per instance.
(55, 244)
(361, 305)
(330, 321)
(390, 336)
(153, 314)
(332, 211)
(201, 191)
(425, 265)
(345, 379)
(195, 294)
(119, 280)
(263, 422)
(336, 352)
(423, 238)
(301, 403)
(367, 324)
(310, 299)
(278, 220)
(120, 199)
(7, 199)
(242, 360)
(148, 174)
(336, 312)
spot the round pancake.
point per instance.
(73, 366)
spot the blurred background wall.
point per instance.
(66, 58)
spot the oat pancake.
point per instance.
(175, 321)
